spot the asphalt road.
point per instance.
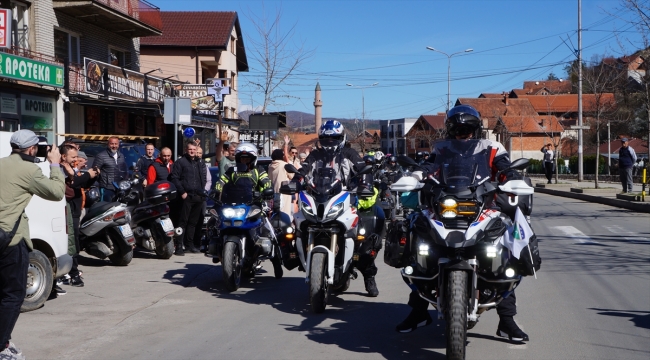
(591, 301)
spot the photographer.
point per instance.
(20, 179)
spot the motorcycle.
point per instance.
(327, 236)
(150, 222)
(458, 253)
(241, 237)
(104, 232)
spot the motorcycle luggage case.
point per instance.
(160, 192)
(524, 202)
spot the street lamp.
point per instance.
(363, 110)
(449, 67)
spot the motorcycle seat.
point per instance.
(98, 209)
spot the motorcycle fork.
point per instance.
(473, 302)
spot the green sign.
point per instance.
(20, 68)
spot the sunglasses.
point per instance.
(294, 153)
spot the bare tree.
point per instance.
(597, 80)
(275, 52)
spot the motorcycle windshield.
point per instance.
(461, 163)
(325, 184)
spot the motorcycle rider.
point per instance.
(345, 161)
(464, 122)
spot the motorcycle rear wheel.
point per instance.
(456, 315)
(164, 251)
(231, 267)
(119, 259)
(318, 289)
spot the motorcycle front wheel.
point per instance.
(318, 289)
(231, 266)
(456, 314)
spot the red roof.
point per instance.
(640, 147)
(568, 103)
(194, 28)
(531, 124)
(435, 121)
(553, 86)
(492, 96)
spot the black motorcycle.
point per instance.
(457, 253)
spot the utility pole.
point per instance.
(449, 69)
(580, 138)
(363, 114)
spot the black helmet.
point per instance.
(419, 155)
(369, 160)
(463, 120)
(393, 159)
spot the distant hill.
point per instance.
(299, 120)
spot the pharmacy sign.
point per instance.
(24, 69)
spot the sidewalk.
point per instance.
(608, 193)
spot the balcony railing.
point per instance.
(76, 78)
(32, 55)
(94, 10)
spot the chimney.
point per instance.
(318, 111)
(505, 98)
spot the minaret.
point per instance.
(318, 108)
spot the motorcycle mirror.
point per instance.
(406, 161)
(290, 169)
(268, 193)
(520, 164)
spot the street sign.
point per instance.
(263, 122)
(183, 110)
(577, 127)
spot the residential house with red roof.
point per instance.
(425, 131)
(524, 136)
(196, 46)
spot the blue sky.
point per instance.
(366, 41)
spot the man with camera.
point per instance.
(20, 179)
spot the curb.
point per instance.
(638, 207)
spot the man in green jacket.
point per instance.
(20, 179)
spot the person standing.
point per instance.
(198, 232)
(112, 168)
(278, 175)
(548, 161)
(189, 177)
(142, 166)
(626, 160)
(225, 157)
(161, 169)
(75, 183)
(20, 179)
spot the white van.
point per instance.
(48, 230)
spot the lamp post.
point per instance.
(449, 68)
(363, 110)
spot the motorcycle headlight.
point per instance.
(306, 208)
(230, 213)
(335, 211)
(124, 185)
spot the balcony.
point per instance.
(129, 18)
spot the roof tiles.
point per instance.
(194, 28)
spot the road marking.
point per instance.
(626, 234)
(576, 235)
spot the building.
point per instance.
(393, 135)
(424, 132)
(195, 49)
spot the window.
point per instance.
(21, 20)
(66, 46)
(116, 57)
(233, 45)
(233, 76)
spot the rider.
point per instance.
(236, 186)
(345, 161)
(464, 122)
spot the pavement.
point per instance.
(607, 193)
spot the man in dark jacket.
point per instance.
(111, 166)
(75, 183)
(189, 177)
(626, 160)
(142, 166)
(160, 169)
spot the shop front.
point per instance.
(29, 96)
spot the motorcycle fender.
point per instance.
(458, 265)
(330, 263)
(165, 237)
(239, 240)
(120, 242)
(301, 254)
(347, 257)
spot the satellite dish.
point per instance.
(536, 82)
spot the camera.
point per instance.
(43, 147)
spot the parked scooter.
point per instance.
(152, 227)
(105, 231)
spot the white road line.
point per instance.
(576, 234)
(626, 234)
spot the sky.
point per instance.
(362, 42)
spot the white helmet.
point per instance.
(246, 150)
(331, 135)
(379, 155)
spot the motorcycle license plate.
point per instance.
(126, 231)
(167, 225)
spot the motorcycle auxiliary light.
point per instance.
(408, 270)
(510, 272)
(491, 251)
(450, 208)
(288, 234)
(362, 234)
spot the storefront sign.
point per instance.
(8, 104)
(20, 68)
(202, 102)
(5, 28)
(37, 106)
(256, 137)
(122, 84)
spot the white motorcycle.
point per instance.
(327, 235)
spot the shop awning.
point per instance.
(97, 137)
